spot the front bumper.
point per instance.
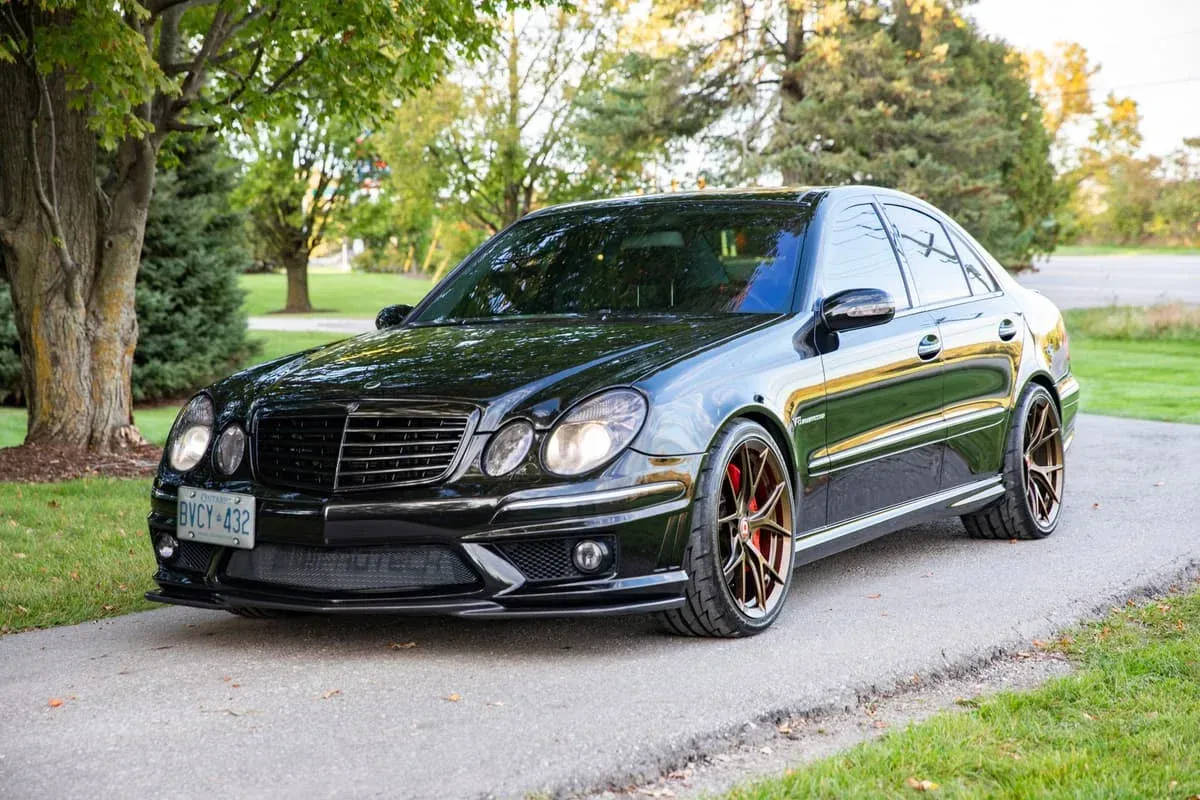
(512, 545)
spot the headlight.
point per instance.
(231, 446)
(191, 433)
(593, 432)
(508, 448)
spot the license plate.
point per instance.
(223, 518)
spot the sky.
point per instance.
(1148, 50)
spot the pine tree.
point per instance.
(189, 307)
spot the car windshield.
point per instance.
(650, 258)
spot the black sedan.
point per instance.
(654, 404)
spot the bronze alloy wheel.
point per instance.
(1043, 462)
(754, 537)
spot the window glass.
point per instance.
(660, 257)
(981, 282)
(935, 268)
(861, 257)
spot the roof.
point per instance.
(784, 194)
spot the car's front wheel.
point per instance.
(1034, 474)
(739, 554)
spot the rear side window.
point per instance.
(980, 279)
(861, 257)
(935, 268)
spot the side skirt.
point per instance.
(841, 536)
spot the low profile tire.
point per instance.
(739, 555)
(1034, 475)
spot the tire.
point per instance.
(713, 606)
(1024, 511)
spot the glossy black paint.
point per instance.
(912, 408)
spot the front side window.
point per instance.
(935, 268)
(661, 257)
(861, 257)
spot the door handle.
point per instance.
(1008, 329)
(929, 347)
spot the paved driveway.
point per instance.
(188, 703)
(1083, 281)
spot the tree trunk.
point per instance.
(296, 264)
(71, 262)
(791, 85)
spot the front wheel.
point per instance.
(739, 555)
(1034, 474)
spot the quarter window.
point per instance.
(861, 257)
(935, 268)
(980, 280)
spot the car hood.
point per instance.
(536, 367)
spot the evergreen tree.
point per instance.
(189, 306)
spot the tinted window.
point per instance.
(656, 257)
(861, 257)
(980, 281)
(935, 268)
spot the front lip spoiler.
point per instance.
(640, 595)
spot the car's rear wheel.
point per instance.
(740, 551)
(1034, 475)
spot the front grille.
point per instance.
(396, 568)
(334, 450)
(544, 559)
(193, 557)
(299, 449)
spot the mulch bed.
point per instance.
(52, 463)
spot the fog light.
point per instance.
(590, 556)
(166, 546)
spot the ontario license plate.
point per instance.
(223, 518)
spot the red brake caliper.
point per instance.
(735, 480)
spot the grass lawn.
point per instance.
(155, 421)
(1124, 725)
(71, 552)
(1135, 362)
(1122, 250)
(346, 294)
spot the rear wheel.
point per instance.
(1034, 475)
(739, 554)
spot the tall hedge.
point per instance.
(191, 327)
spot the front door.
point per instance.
(883, 384)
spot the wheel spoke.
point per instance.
(762, 468)
(769, 505)
(735, 560)
(774, 527)
(1046, 483)
(1047, 438)
(760, 584)
(764, 563)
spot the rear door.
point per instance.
(980, 328)
(883, 384)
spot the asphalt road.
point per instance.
(1084, 281)
(198, 704)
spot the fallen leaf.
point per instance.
(55, 702)
(1039, 644)
(879, 724)
(875, 596)
(921, 785)
(1012, 541)
(1095, 505)
(22, 609)
(20, 555)
(401, 645)
(331, 693)
(227, 679)
(454, 697)
(236, 685)
(784, 729)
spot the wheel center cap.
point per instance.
(744, 528)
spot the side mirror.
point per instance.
(857, 308)
(391, 316)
